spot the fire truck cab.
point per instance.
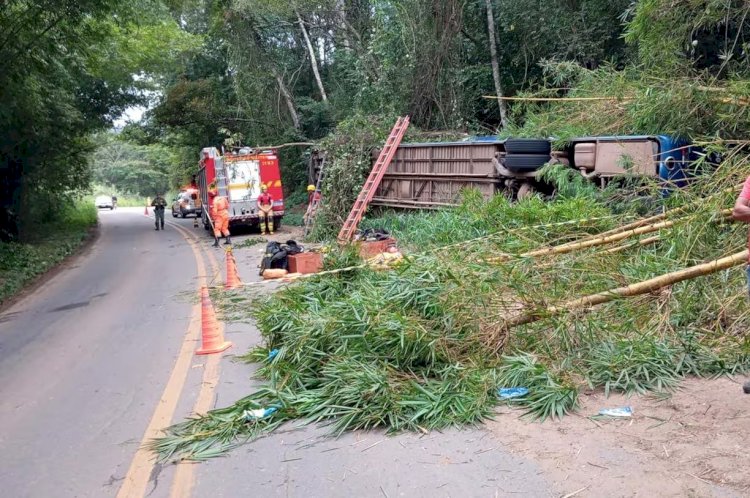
(238, 176)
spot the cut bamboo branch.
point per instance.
(559, 99)
(642, 242)
(652, 219)
(636, 289)
(574, 246)
(639, 223)
(598, 240)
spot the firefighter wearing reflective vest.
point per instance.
(265, 210)
(219, 215)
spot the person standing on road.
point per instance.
(114, 202)
(159, 204)
(741, 212)
(265, 210)
(219, 215)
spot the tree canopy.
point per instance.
(268, 72)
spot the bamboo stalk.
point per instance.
(559, 99)
(661, 216)
(642, 242)
(636, 289)
(597, 240)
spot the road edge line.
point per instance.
(136, 479)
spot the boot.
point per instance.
(162, 226)
(216, 241)
(228, 241)
(156, 227)
(270, 228)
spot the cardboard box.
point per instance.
(368, 249)
(306, 262)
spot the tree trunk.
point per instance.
(313, 59)
(343, 25)
(287, 97)
(495, 66)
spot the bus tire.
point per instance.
(527, 146)
(530, 162)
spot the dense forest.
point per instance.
(336, 72)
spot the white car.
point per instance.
(104, 201)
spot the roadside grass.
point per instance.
(50, 243)
(426, 345)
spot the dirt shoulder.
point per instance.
(692, 444)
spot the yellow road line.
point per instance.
(136, 479)
(184, 476)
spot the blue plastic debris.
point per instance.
(512, 392)
(622, 412)
(251, 415)
(272, 354)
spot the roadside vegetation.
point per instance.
(428, 344)
(489, 295)
(23, 262)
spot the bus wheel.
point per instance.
(525, 191)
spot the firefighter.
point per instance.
(220, 215)
(265, 210)
(313, 198)
(159, 204)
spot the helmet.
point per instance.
(311, 188)
(263, 188)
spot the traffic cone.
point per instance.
(213, 342)
(145, 211)
(233, 278)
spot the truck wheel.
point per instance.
(276, 224)
(530, 162)
(527, 146)
(174, 215)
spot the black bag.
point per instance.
(292, 247)
(275, 257)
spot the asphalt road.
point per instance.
(100, 357)
(85, 358)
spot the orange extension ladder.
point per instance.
(373, 181)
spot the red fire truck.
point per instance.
(239, 175)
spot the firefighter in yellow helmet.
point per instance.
(313, 198)
(265, 210)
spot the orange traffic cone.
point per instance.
(233, 278)
(213, 342)
(145, 211)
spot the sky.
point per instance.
(131, 114)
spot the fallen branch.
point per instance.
(642, 242)
(559, 99)
(597, 240)
(636, 289)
